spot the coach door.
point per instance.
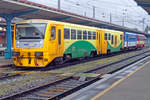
(60, 39)
(57, 40)
(98, 41)
(115, 40)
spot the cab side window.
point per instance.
(53, 33)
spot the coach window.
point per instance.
(105, 36)
(97, 35)
(66, 33)
(53, 31)
(89, 35)
(94, 35)
(84, 35)
(79, 34)
(112, 39)
(109, 37)
(73, 34)
(120, 37)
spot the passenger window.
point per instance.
(105, 36)
(53, 32)
(112, 39)
(84, 35)
(109, 37)
(97, 35)
(73, 34)
(120, 37)
(79, 34)
(89, 35)
(59, 37)
(66, 33)
(94, 35)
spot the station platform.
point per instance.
(5, 62)
(131, 83)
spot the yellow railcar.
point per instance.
(39, 42)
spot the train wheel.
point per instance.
(92, 54)
(59, 61)
(108, 52)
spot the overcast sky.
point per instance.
(120, 11)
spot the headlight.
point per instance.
(16, 53)
(17, 44)
(41, 44)
(38, 54)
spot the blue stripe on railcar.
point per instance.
(130, 40)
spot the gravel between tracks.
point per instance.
(27, 82)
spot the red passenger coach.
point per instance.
(140, 41)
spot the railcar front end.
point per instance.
(32, 44)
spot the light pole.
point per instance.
(85, 13)
(59, 6)
(123, 19)
(143, 21)
(93, 11)
(110, 18)
(93, 7)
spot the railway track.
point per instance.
(65, 86)
(8, 72)
(119, 64)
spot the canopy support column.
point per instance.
(9, 18)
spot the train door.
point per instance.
(98, 41)
(123, 41)
(103, 42)
(52, 45)
(115, 40)
(57, 40)
(60, 34)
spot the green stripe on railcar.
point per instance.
(80, 49)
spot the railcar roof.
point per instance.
(51, 21)
(131, 33)
(69, 24)
(66, 24)
(112, 30)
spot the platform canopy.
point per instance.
(145, 4)
(22, 6)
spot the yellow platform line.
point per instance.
(116, 83)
